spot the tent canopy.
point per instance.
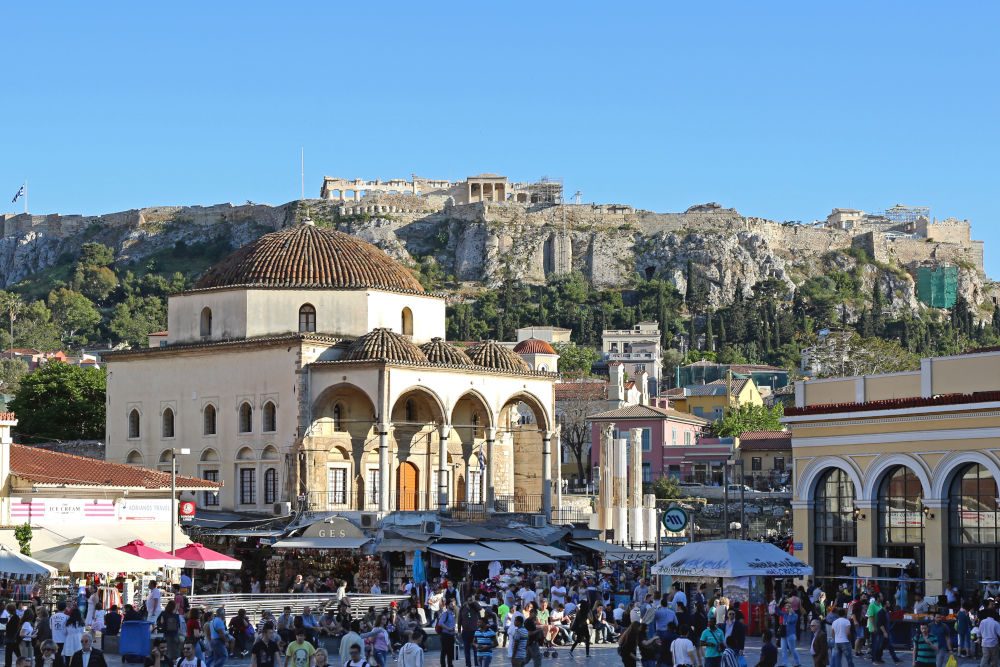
(202, 558)
(155, 556)
(14, 564)
(731, 558)
(85, 554)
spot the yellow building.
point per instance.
(902, 465)
(767, 458)
(711, 401)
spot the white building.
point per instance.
(638, 349)
(310, 367)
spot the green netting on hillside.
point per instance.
(938, 287)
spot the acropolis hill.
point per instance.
(486, 227)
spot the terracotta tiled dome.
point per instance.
(491, 354)
(384, 345)
(533, 346)
(440, 351)
(309, 256)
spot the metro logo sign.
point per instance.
(186, 510)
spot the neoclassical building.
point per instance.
(310, 367)
(903, 465)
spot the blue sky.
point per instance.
(781, 110)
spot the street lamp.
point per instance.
(743, 528)
(183, 451)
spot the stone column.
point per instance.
(383, 467)
(558, 467)
(547, 475)
(443, 468)
(635, 521)
(620, 519)
(605, 494)
(491, 435)
(935, 545)
(649, 518)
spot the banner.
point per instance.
(88, 512)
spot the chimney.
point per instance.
(7, 421)
(616, 383)
(642, 380)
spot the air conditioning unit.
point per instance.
(538, 521)
(430, 527)
(282, 509)
(369, 520)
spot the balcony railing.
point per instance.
(518, 504)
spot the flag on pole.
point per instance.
(482, 459)
(20, 193)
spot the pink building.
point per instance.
(669, 438)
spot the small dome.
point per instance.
(440, 351)
(384, 345)
(491, 354)
(533, 346)
(310, 256)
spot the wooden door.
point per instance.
(408, 483)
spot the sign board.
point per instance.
(796, 546)
(186, 510)
(81, 511)
(675, 519)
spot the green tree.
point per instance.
(74, 314)
(35, 329)
(23, 536)
(747, 418)
(576, 359)
(60, 401)
(11, 372)
(96, 282)
(96, 254)
(667, 488)
(133, 320)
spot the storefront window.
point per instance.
(974, 545)
(835, 533)
(901, 518)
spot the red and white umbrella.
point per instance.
(202, 558)
(161, 558)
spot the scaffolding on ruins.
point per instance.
(900, 213)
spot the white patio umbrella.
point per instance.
(731, 558)
(85, 554)
(14, 564)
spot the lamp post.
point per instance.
(743, 523)
(173, 491)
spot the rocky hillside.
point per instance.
(483, 244)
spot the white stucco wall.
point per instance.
(229, 315)
(385, 310)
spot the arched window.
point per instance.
(133, 424)
(410, 411)
(307, 318)
(407, 322)
(835, 525)
(270, 418)
(134, 458)
(338, 417)
(246, 418)
(210, 420)
(270, 485)
(168, 423)
(901, 518)
(974, 542)
(206, 321)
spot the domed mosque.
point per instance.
(309, 367)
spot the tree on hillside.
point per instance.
(74, 314)
(60, 401)
(11, 372)
(35, 329)
(96, 254)
(845, 356)
(95, 282)
(746, 418)
(576, 359)
(136, 318)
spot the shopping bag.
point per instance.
(951, 661)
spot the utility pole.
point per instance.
(725, 499)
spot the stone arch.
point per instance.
(246, 454)
(429, 405)
(476, 398)
(134, 458)
(536, 405)
(954, 463)
(877, 470)
(206, 321)
(343, 408)
(270, 453)
(815, 469)
(209, 455)
(338, 450)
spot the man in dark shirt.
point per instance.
(158, 656)
(265, 650)
(112, 622)
(768, 651)
(131, 614)
(666, 639)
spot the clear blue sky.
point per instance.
(780, 110)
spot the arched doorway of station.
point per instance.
(901, 519)
(522, 422)
(974, 532)
(835, 527)
(415, 417)
(408, 485)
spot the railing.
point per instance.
(561, 516)
(404, 501)
(255, 603)
(518, 503)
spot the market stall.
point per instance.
(199, 557)
(19, 574)
(326, 549)
(745, 568)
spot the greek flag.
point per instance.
(482, 459)
(20, 193)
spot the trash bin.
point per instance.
(133, 644)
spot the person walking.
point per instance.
(989, 634)
(446, 628)
(74, 634)
(87, 656)
(713, 643)
(789, 652)
(942, 637)
(468, 623)
(819, 647)
(841, 628)
(486, 640)
(220, 638)
(925, 648)
(581, 627)
(768, 651)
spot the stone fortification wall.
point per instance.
(949, 230)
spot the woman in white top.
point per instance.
(26, 633)
(74, 630)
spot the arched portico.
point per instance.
(524, 421)
(472, 431)
(416, 416)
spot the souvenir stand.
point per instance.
(198, 557)
(746, 569)
(22, 575)
(330, 548)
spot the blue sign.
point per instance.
(675, 519)
(796, 546)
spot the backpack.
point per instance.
(201, 663)
(364, 663)
(171, 623)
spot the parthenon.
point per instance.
(479, 188)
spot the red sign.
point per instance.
(187, 510)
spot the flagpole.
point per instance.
(25, 195)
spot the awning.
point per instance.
(391, 544)
(897, 563)
(155, 534)
(599, 546)
(470, 552)
(322, 543)
(554, 552)
(515, 551)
